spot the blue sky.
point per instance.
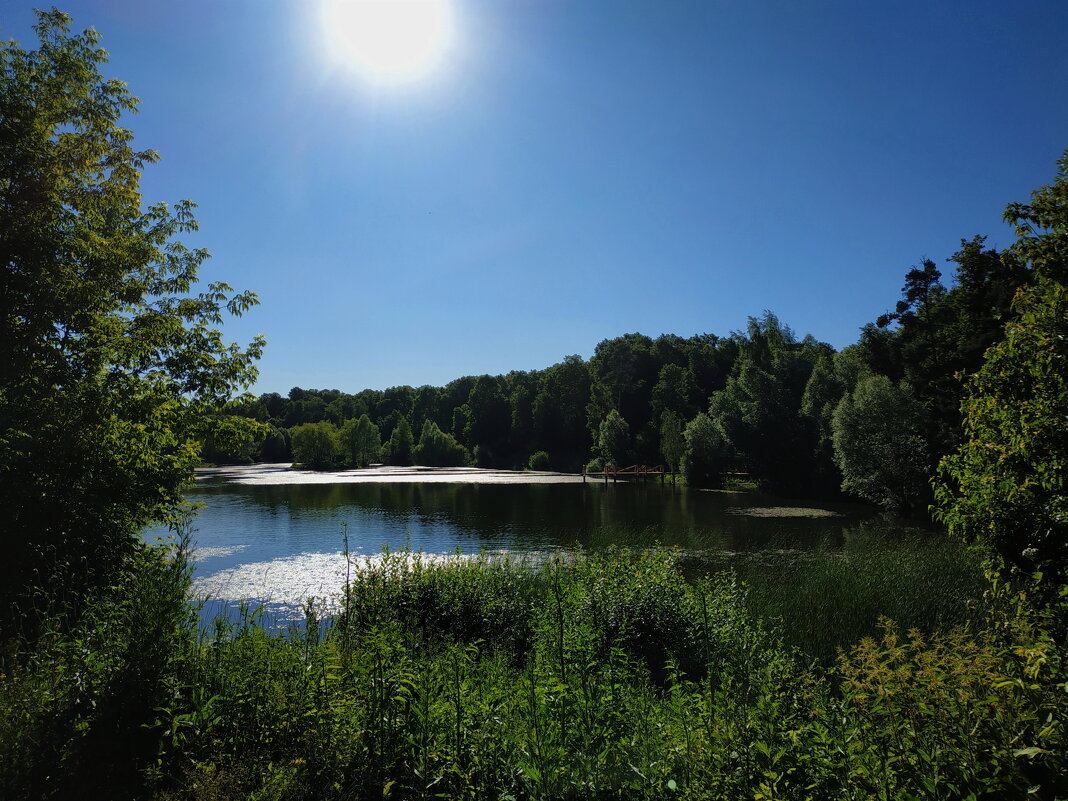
(575, 170)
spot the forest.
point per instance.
(794, 415)
(593, 675)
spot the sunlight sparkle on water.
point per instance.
(201, 554)
(288, 582)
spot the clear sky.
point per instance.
(567, 171)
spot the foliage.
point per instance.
(944, 331)
(674, 392)
(400, 449)
(81, 708)
(489, 419)
(588, 676)
(613, 440)
(112, 371)
(948, 714)
(706, 456)
(361, 442)
(759, 409)
(1004, 488)
(539, 460)
(672, 440)
(878, 446)
(315, 446)
(828, 599)
(1042, 228)
(438, 449)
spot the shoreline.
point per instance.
(282, 473)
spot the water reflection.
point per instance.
(282, 542)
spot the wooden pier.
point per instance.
(637, 471)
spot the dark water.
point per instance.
(279, 545)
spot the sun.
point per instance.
(388, 40)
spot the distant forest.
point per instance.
(793, 413)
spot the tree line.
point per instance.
(792, 413)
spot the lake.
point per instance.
(265, 540)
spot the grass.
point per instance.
(829, 599)
(593, 676)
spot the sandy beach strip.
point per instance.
(283, 473)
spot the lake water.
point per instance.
(280, 544)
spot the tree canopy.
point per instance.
(112, 365)
(1005, 486)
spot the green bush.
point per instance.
(539, 460)
(587, 676)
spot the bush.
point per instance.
(539, 460)
(589, 676)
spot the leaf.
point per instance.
(1032, 751)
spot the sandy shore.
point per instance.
(282, 473)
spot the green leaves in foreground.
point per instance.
(605, 676)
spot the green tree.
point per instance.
(316, 446)
(559, 412)
(613, 440)
(1005, 486)
(438, 449)
(674, 391)
(879, 447)
(623, 372)
(361, 441)
(707, 452)
(277, 446)
(942, 332)
(490, 420)
(401, 445)
(672, 440)
(760, 408)
(113, 371)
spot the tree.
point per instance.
(1005, 486)
(559, 412)
(438, 449)
(401, 444)
(672, 440)
(277, 446)
(942, 332)
(706, 454)
(112, 370)
(878, 444)
(623, 371)
(490, 420)
(674, 392)
(759, 409)
(315, 446)
(361, 441)
(613, 440)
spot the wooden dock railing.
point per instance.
(636, 470)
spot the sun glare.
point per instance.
(388, 40)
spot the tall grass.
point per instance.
(592, 676)
(828, 599)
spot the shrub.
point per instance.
(539, 460)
